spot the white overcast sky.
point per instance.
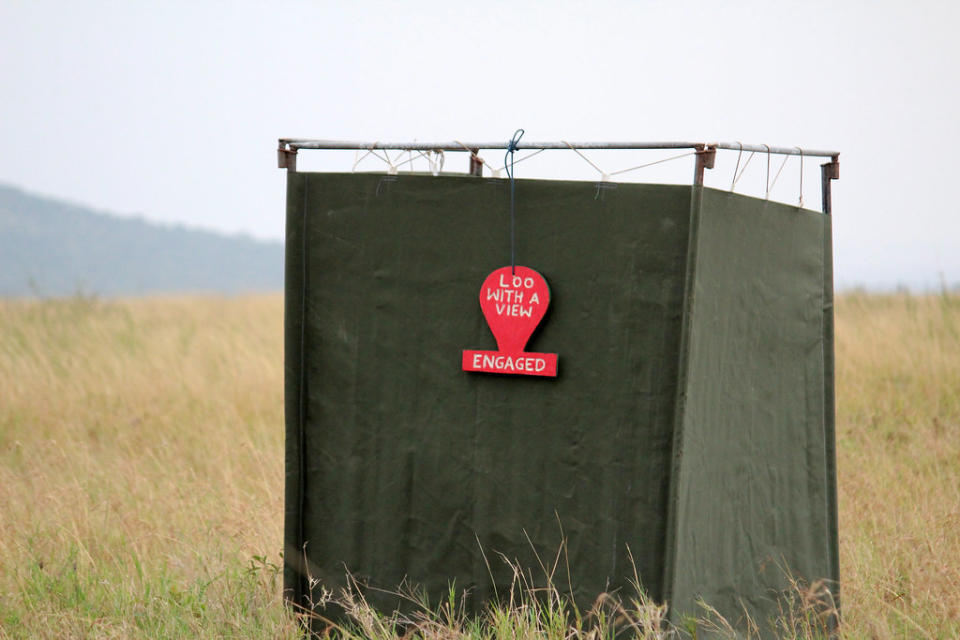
(171, 110)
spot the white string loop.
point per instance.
(733, 181)
(767, 196)
(736, 178)
(650, 164)
(437, 166)
(391, 168)
(410, 159)
(603, 174)
(800, 201)
(782, 164)
(357, 161)
(526, 157)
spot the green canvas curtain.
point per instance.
(688, 436)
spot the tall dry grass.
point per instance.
(141, 475)
(141, 467)
(898, 449)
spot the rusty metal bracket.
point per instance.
(476, 165)
(286, 158)
(829, 171)
(706, 159)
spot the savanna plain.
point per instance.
(141, 479)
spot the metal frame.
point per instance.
(706, 153)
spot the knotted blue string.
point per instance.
(508, 165)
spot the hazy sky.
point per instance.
(171, 110)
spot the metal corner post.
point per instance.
(829, 171)
(286, 157)
(706, 158)
(476, 164)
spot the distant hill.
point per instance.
(50, 248)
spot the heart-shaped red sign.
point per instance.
(513, 301)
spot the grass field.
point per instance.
(141, 471)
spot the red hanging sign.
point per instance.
(513, 300)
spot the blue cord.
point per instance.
(508, 165)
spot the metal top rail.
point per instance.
(308, 143)
(706, 153)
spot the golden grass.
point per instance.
(141, 448)
(141, 468)
(898, 407)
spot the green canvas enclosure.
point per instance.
(688, 435)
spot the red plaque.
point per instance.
(513, 300)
